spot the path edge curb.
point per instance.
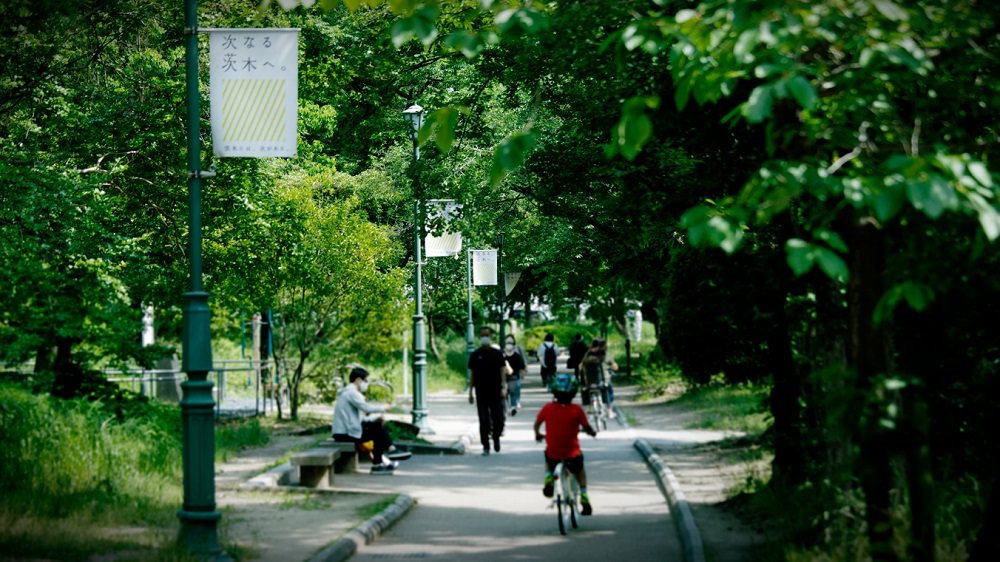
(365, 533)
(694, 550)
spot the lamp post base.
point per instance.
(420, 421)
(199, 535)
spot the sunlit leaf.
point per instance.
(802, 91)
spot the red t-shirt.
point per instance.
(562, 424)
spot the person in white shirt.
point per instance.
(350, 427)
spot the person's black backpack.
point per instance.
(550, 356)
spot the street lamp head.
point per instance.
(499, 238)
(414, 115)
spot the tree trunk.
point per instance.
(433, 341)
(987, 543)
(789, 464)
(867, 352)
(920, 478)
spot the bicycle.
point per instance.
(598, 411)
(567, 497)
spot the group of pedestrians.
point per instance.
(495, 379)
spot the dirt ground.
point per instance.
(707, 470)
(282, 525)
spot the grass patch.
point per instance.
(368, 511)
(232, 436)
(728, 407)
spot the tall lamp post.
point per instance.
(198, 515)
(500, 283)
(470, 333)
(414, 116)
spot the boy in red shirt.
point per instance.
(563, 420)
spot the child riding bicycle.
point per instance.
(563, 421)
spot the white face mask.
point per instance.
(484, 341)
(363, 386)
(510, 347)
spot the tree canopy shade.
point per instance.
(797, 192)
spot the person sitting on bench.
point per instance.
(348, 425)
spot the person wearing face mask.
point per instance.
(487, 376)
(348, 425)
(515, 360)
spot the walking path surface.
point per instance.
(491, 507)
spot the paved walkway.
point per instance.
(492, 507)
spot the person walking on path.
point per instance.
(595, 367)
(515, 360)
(577, 350)
(349, 427)
(547, 354)
(487, 376)
(563, 420)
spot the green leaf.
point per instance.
(802, 91)
(889, 201)
(833, 240)
(352, 5)
(922, 197)
(800, 255)
(634, 128)
(758, 107)
(989, 219)
(510, 154)
(890, 10)
(443, 123)
(401, 31)
(981, 173)
(917, 295)
(831, 264)
(685, 15)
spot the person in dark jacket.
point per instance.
(487, 377)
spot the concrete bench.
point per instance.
(350, 455)
(328, 458)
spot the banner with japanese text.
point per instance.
(254, 91)
(510, 278)
(484, 267)
(440, 212)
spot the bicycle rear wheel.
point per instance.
(595, 412)
(574, 500)
(560, 510)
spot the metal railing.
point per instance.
(261, 393)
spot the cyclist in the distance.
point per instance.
(563, 420)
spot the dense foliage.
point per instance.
(795, 193)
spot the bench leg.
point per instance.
(312, 476)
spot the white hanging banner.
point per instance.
(484, 267)
(448, 243)
(254, 85)
(510, 279)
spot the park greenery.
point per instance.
(797, 195)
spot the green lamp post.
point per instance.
(470, 333)
(500, 283)
(414, 116)
(198, 516)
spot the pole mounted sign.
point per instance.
(447, 243)
(484, 267)
(254, 91)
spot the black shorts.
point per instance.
(575, 464)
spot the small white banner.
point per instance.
(254, 85)
(449, 243)
(484, 267)
(510, 279)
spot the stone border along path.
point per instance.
(694, 550)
